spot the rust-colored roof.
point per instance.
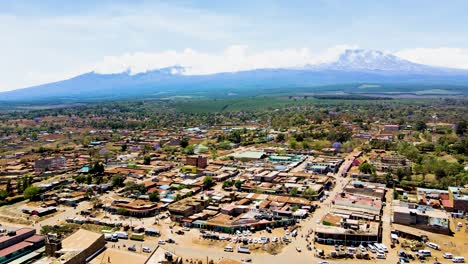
(6, 251)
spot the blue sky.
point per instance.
(45, 41)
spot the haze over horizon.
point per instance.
(51, 41)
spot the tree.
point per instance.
(122, 211)
(293, 143)
(293, 191)
(124, 147)
(309, 193)
(89, 179)
(388, 179)
(420, 125)
(134, 187)
(367, 168)
(280, 137)
(227, 184)
(3, 194)
(400, 173)
(461, 127)
(80, 179)
(147, 160)
(97, 168)
(9, 188)
(34, 136)
(154, 197)
(238, 184)
(30, 192)
(118, 180)
(189, 150)
(208, 181)
(184, 142)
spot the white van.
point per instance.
(433, 245)
(458, 260)
(228, 249)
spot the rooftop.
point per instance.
(115, 256)
(79, 241)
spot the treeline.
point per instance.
(351, 97)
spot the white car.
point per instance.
(161, 242)
(146, 249)
(275, 239)
(287, 232)
(298, 249)
(381, 256)
(447, 255)
(254, 241)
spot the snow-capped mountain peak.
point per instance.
(373, 60)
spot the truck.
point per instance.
(111, 237)
(244, 250)
(121, 234)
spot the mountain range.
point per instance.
(355, 71)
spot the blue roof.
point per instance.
(164, 187)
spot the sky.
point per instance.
(51, 40)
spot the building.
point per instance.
(391, 127)
(392, 163)
(248, 155)
(335, 230)
(196, 161)
(420, 216)
(323, 164)
(78, 248)
(458, 196)
(186, 207)
(19, 243)
(115, 256)
(135, 208)
(366, 188)
(49, 164)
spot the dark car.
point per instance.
(132, 248)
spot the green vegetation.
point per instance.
(31, 192)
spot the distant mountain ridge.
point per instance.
(352, 67)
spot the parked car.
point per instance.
(146, 249)
(381, 256)
(162, 242)
(132, 248)
(447, 255)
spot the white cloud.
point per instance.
(233, 58)
(444, 56)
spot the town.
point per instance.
(311, 183)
